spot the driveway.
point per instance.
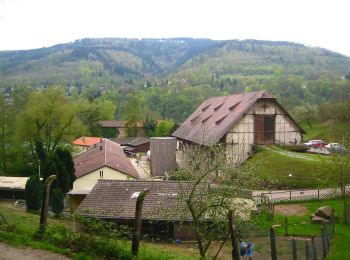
(8, 252)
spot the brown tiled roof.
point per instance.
(130, 141)
(112, 199)
(87, 141)
(217, 115)
(111, 155)
(116, 124)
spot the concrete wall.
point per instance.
(240, 138)
(89, 180)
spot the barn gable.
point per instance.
(217, 116)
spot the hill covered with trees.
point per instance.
(172, 76)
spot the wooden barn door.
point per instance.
(264, 129)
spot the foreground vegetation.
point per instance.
(59, 238)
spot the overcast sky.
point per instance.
(27, 24)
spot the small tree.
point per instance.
(132, 116)
(34, 192)
(57, 202)
(164, 128)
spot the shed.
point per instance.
(12, 187)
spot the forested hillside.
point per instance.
(172, 76)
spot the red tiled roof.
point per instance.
(110, 155)
(113, 199)
(87, 141)
(217, 115)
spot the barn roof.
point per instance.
(116, 124)
(217, 115)
(105, 153)
(116, 199)
(9, 183)
(131, 141)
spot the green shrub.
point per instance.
(57, 202)
(34, 192)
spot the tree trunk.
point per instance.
(45, 203)
(232, 230)
(137, 223)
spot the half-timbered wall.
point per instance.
(240, 138)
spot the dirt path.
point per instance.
(8, 252)
(291, 154)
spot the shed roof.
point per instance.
(108, 154)
(131, 141)
(116, 199)
(217, 115)
(116, 124)
(13, 182)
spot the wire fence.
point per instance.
(299, 195)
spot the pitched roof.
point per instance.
(110, 155)
(130, 141)
(217, 115)
(116, 199)
(87, 141)
(116, 124)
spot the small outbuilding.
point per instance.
(12, 187)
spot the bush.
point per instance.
(57, 202)
(295, 148)
(34, 193)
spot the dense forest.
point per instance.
(172, 76)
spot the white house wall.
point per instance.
(240, 138)
(89, 180)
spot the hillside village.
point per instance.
(181, 162)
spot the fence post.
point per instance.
(324, 243)
(290, 195)
(318, 194)
(286, 226)
(307, 253)
(314, 254)
(294, 249)
(273, 244)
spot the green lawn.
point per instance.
(276, 167)
(26, 225)
(301, 226)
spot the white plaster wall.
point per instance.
(89, 180)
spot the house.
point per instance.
(83, 143)
(133, 145)
(239, 122)
(163, 207)
(12, 187)
(105, 160)
(114, 128)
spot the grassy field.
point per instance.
(298, 224)
(276, 167)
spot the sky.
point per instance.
(28, 24)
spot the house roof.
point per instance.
(116, 124)
(87, 141)
(17, 183)
(116, 199)
(130, 141)
(108, 154)
(217, 115)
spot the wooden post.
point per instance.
(313, 245)
(273, 244)
(324, 243)
(286, 226)
(232, 231)
(137, 223)
(45, 203)
(290, 195)
(294, 249)
(318, 194)
(307, 255)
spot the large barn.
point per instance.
(240, 121)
